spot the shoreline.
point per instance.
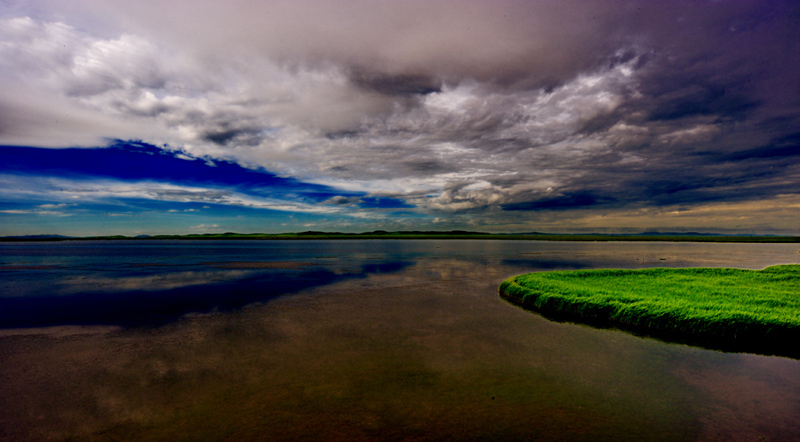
(426, 236)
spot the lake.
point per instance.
(357, 340)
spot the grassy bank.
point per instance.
(728, 309)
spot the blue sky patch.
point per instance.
(139, 187)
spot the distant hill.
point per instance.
(429, 234)
(684, 234)
(400, 232)
(648, 233)
(35, 237)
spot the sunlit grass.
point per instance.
(731, 309)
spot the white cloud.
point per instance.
(99, 191)
(41, 209)
(205, 227)
(698, 133)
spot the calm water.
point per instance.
(358, 340)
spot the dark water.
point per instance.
(358, 340)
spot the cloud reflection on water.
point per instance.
(150, 283)
(88, 297)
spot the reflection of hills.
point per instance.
(164, 297)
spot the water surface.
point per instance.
(358, 340)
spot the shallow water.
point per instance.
(358, 340)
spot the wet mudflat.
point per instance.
(358, 340)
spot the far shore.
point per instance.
(453, 234)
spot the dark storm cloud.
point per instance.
(783, 148)
(406, 84)
(699, 100)
(244, 136)
(574, 200)
(699, 177)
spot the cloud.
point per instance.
(342, 200)
(99, 191)
(41, 209)
(573, 200)
(206, 227)
(773, 215)
(475, 108)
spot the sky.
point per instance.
(569, 116)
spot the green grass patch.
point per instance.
(727, 309)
